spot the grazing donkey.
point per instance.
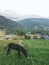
(17, 47)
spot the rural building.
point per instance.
(2, 34)
(34, 36)
(10, 37)
(14, 37)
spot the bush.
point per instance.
(27, 37)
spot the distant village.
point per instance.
(3, 36)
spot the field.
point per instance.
(38, 53)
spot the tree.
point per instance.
(20, 31)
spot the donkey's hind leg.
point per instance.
(8, 50)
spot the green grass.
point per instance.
(38, 53)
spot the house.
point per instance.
(2, 34)
(10, 37)
(35, 36)
(14, 37)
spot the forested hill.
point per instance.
(8, 24)
(36, 23)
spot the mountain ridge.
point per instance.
(29, 23)
(8, 24)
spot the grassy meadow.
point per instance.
(38, 53)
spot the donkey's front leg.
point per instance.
(8, 51)
(19, 54)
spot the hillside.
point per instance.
(8, 24)
(36, 23)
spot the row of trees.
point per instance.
(42, 32)
(21, 31)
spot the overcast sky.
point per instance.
(26, 7)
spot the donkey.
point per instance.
(19, 48)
